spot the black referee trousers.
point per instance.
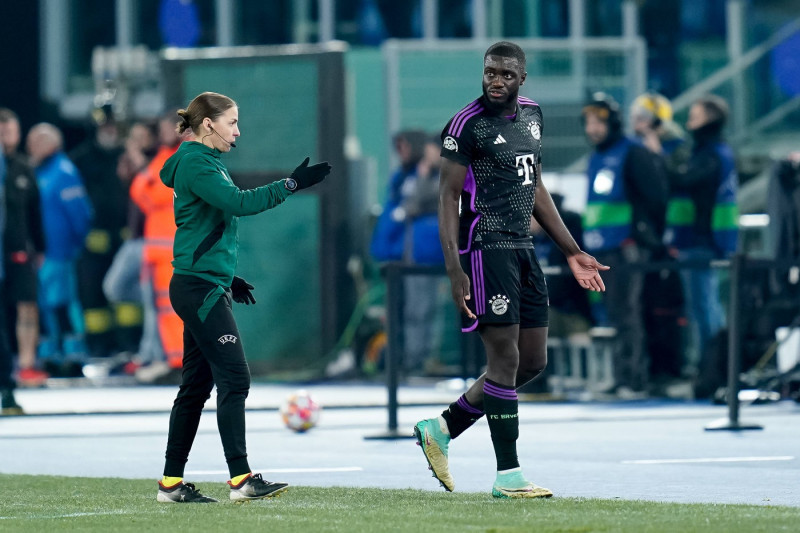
(212, 354)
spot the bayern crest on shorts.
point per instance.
(499, 304)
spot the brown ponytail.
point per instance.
(184, 123)
(207, 104)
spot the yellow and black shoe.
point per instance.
(254, 487)
(181, 493)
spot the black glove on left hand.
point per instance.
(240, 291)
(306, 176)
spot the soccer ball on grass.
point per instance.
(300, 412)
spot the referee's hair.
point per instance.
(207, 104)
(507, 49)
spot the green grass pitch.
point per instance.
(44, 503)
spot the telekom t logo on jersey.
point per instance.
(526, 166)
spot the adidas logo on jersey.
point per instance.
(499, 140)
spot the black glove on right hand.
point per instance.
(306, 176)
(241, 291)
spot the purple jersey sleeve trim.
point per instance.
(454, 124)
(466, 118)
(525, 101)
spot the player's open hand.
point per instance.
(586, 270)
(460, 287)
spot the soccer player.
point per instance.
(491, 163)
(207, 210)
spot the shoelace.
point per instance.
(258, 479)
(192, 490)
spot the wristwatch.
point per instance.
(290, 184)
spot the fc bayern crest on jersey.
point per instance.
(536, 131)
(450, 144)
(499, 304)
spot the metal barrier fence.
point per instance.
(738, 266)
(428, 81)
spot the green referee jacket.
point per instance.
(207, 209)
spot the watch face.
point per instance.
(291, 184)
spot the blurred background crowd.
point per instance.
(692, 105)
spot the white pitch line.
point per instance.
(70, 515)
(709, 460)
(314, 470)
(282, 470)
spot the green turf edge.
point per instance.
(47, 503)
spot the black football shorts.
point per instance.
(507, 287)
(21, 281)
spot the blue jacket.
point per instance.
(703, 212)
(608, 216)
(66, 211)
(415, 239)
(388, 237)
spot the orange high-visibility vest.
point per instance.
(155, 200)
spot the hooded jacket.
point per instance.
(207, 209)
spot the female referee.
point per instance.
(207, 207)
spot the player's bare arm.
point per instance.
(451, 183)
(584, 267)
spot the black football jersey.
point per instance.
(501, 155)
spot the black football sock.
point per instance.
(501, 406)
(460, 416)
